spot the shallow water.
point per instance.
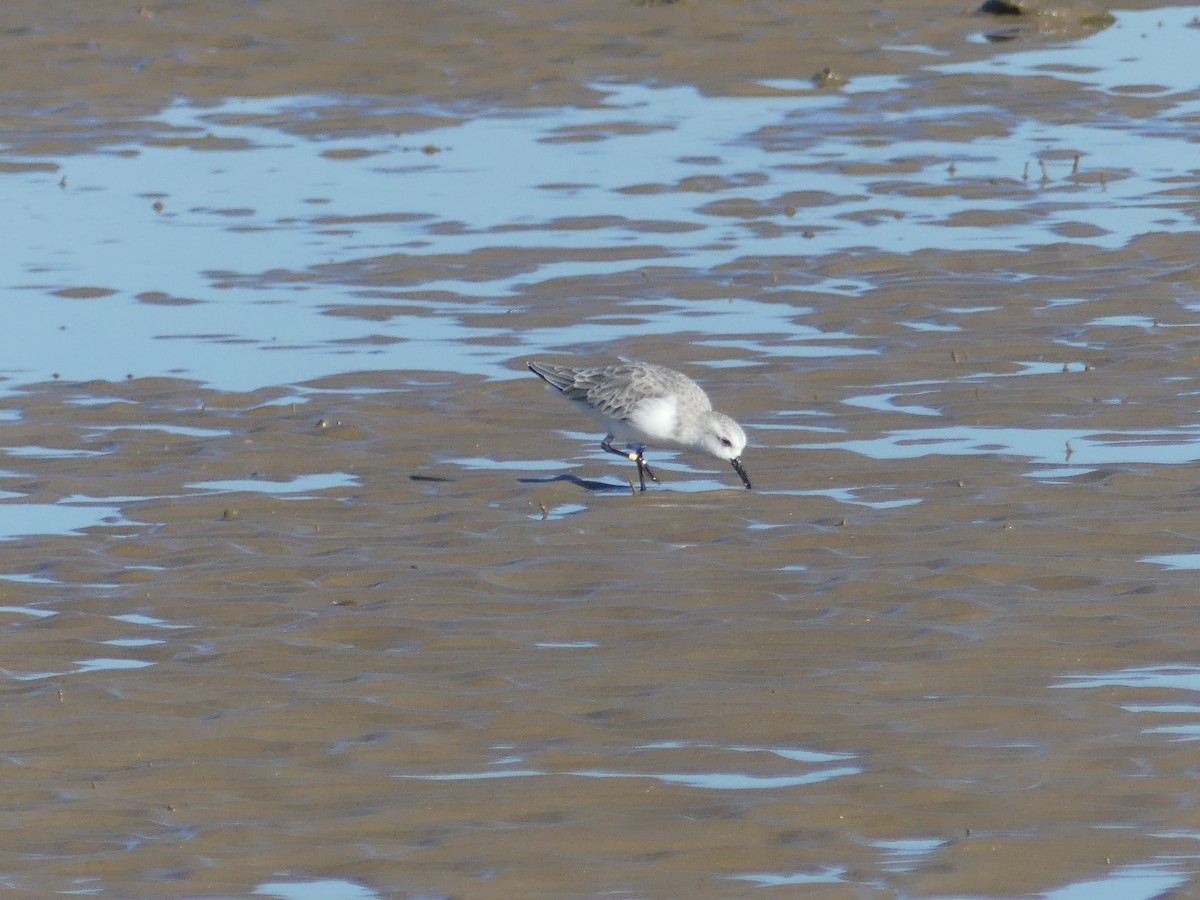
(309, 590)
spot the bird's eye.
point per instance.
(725, 442)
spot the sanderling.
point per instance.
(644, 404)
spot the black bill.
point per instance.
(737, 467)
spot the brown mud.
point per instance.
(428, 678)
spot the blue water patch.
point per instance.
(243, 274)
(1148, 43)
(1185, 678)
(509, 465)
(726, 781)
(1136, 882)
(796, 754)
(886, 403)
(297, 485)
(851, 496)
(824, 875)
(560, 511)
(150, 621)
(1083, 448)
(81, 667)
(316, 889)
(181, 430)
(717, 781)
(820, 767)
(28, 611)
(1175, 560)
(38, 452)
(1156, 678)
(23, 519)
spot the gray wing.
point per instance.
(617, 390)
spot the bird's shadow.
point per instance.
(585, 483)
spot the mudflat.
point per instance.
(310, 589)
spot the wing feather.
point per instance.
(616, 390)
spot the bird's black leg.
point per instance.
(644, 468)
(633, 454)
(606, 445)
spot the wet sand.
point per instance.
(381, 630)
